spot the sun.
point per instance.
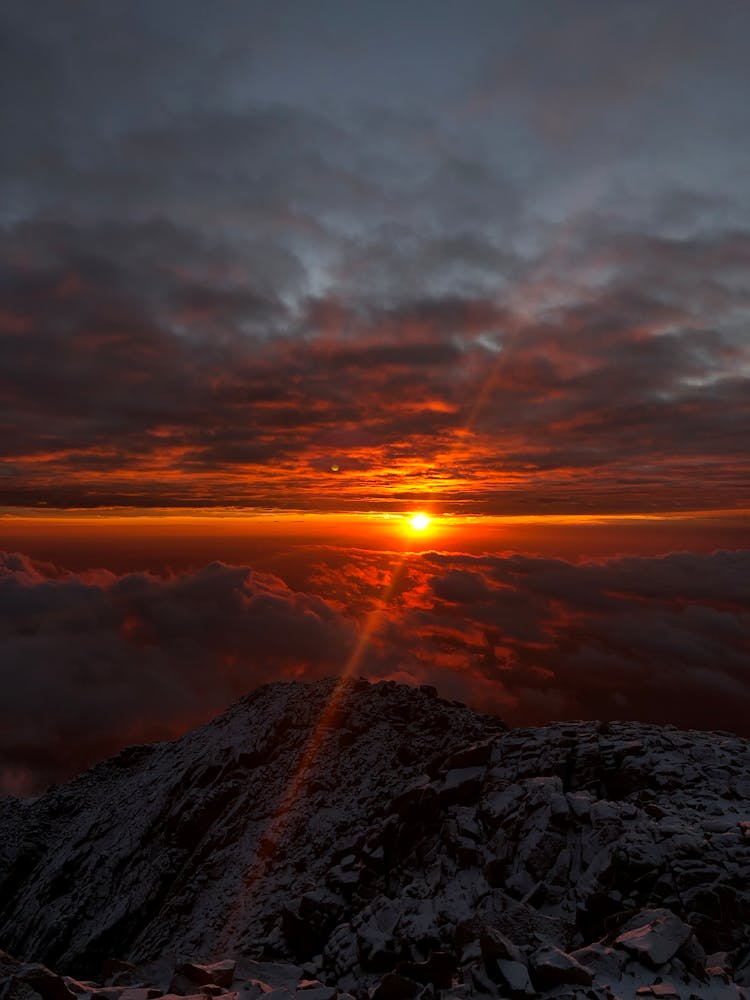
(419, 522)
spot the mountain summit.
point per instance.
(378, 837)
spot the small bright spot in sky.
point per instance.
(419, 522)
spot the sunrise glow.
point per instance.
(419, 522)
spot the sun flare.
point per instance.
(419, 522)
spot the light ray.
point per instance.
(270, 839)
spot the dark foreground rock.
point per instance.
(375, 840)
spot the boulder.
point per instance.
(515, 977)
(654, 936)
(551, 967)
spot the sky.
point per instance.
(274, 276)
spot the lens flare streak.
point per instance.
(283, 813)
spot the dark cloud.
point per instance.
(658, 639)
(460, 586)
(235, 251)
(132, 377)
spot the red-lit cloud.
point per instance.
(128, 383)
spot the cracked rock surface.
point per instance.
(378, 841)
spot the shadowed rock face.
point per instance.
(378, 836)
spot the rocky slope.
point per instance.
(366, 838)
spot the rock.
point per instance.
(473, 756)
(254, 989)
(496, 946)
(319, 992)
(193, 996)
(376, 944)
(520, 884)
(719, 959)
(418, 800)
(179, 985)
(307, 921)
(118, 973)
(654, 936)
(431, 838)
(82, 986)
(520, 922)
(580, 804)
(437, 970)
(481, 984)
(8, 964)
(659, 990)
(461, 786)
(220, 973)
(717, 975)
(44, 982)
(158, 973)
(394, 986)
(275, 973)
(17, 989)
(603, 961)
(515, 976)
(551, 967)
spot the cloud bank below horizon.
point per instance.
(95, 661)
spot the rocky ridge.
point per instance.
(376, 840)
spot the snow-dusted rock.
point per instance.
(325, 837)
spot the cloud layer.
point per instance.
(93, 661)
(506, 275)
(125, 380)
